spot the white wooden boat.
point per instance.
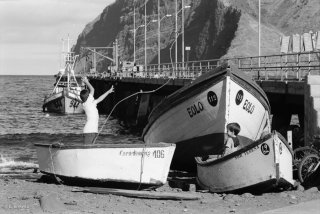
(195, 116)
(65, 96)
(261, 166)
(128, 163)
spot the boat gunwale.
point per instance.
(62, 94)
(54, 94)
(104, 146)
(242, 150)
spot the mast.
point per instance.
(68, 61)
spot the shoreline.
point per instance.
(33, 195)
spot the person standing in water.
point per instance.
(90, 129)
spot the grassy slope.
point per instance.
(278, 17)
(246, 40)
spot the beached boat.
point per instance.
(262, 166)
(195, 116)
(125, 163)
(65, 96)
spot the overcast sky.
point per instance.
(31, 32)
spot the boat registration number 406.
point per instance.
(158, 153)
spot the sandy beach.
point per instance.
(33, 195)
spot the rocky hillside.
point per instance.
(213, 28)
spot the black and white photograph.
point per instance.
(160, 106)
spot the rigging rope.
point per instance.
(140, 92)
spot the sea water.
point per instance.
(23, 123)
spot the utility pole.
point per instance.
(94, 61)
(182, 31)
(134, 33)
(259, 26)
(116, 54)
(145, 35)
(159, 35)
(176, 35)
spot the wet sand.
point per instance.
(36, 196)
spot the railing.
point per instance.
(288, 67)
(285, 67)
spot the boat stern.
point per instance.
(283, 159)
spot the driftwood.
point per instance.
(141, 194)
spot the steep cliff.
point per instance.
(213, 28)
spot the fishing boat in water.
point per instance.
(117, 163)
(262, 166)
(195, 116)
(65, 96)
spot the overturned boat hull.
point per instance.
(262, 166)
(127, 163)
(195, 116)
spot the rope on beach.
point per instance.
(53, 171)
(140, 92)
(141, 166)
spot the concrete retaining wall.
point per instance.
(311, 108)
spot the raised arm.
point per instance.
(86, 81)
(105, 95)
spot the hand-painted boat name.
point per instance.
(195, 109)
(135, 153)
(159, 153)
(248, 106)
(247, 152)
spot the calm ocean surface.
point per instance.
(22, 123)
